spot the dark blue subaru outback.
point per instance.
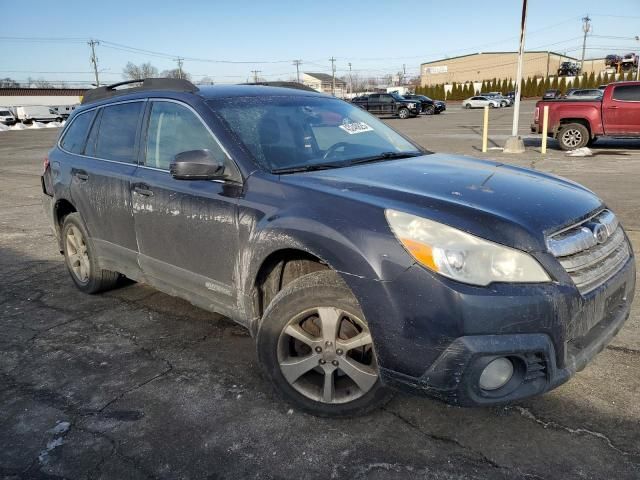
(358, 260)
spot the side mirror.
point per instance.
(196, 165)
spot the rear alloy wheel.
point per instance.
(316, 347)
(81, 260)
(403, 113)
(572, 136)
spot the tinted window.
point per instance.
(374, 98)
(174, 129)
(386, 99)
(629, 93)
(117, 132)
(76, 134)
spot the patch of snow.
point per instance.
(3, 127)
(53, 125)
(18, 126)
(35, 124)
(580, 152)
(61, 427)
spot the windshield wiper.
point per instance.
(385, 156)
(309, 168)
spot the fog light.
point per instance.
(496, 374)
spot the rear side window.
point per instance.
(174, 129)
(628, 93)
(74, 138)
(116, 138)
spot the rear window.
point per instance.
(629, 93)
(74, 138)
(116, 139)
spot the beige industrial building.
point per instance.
(477, 67)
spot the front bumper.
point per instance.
(434, 336)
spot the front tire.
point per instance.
(572, 136)
(404, 113)
(430, 110)
(467, 106)
(81, 259)
(314, 345)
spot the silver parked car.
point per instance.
(584, 94)
(480, 102)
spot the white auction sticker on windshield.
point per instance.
(355, 127)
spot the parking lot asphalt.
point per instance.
(136, 384)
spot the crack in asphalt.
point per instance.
(618, 348)
(528, 414)
(451, 441)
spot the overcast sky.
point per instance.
(376, 40)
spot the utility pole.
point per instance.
(350, 81)
(586, 28)
(180, 61)
(333, 76)
(94, 60)
(637, 61)
(255, 75)
(404, 73)
(514, 143)
(297, 63)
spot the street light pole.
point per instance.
(514, 143)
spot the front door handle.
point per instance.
(81, 175)
(613, 107)
(143, 189)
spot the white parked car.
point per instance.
(585, 94)
(480, 102)
(37, 113)
(6, 116)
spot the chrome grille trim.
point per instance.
(588, 262)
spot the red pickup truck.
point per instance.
(577, 123)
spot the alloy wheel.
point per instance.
(326, 354)
(77, 254)
(572, 137)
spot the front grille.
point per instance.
(588, 255)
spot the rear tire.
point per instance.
(302, 347)
(81, 259)
(572, 136)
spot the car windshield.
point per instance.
(287, 133)
(5, 113)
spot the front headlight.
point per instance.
(462, 256)
(411, 105)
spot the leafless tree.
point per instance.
(175, 73)
(138, 72)
(42, 83)
(8, 83)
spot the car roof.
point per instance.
(230, 91)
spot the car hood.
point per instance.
(507, 204)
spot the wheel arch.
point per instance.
(62, 207)
(582, 121)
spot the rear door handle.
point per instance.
(143, 189)
(80, 175)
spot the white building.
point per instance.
(16, 97)
(322, 82)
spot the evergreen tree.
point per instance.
(630, 76)
(562, 86)
(591, 83)
(576, 82)
(606, 79)
(598, 81)
(554, 83)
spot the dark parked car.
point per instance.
(358, 260)
(388, 104)
(429, 107)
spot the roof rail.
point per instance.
(175, 84)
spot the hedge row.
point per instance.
(531, 87)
